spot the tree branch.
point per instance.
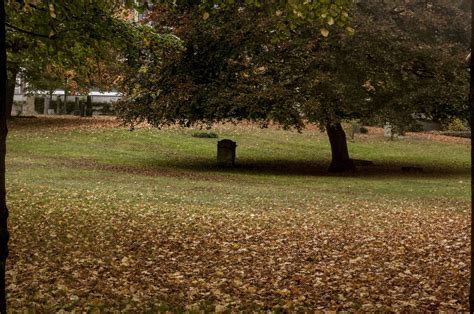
(28, 32)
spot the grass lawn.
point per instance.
(105, 219)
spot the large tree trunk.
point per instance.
(340, 154)
(471, 105)
(10, 92)
(4, 235)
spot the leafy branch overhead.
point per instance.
(96, 40)
(393, 68)
(324, 13)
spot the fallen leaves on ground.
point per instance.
(86, 251)
(97, 250)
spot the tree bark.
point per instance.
(89, 106)
(340, 153)
(10, 92)
(471, 106)
(4, 235)
(64, 108)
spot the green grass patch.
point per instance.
(105, 219)
(267, 160)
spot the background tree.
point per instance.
(39, 56)
(64, 34)
(392, 68)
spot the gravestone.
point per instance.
(388, 131)
(226, 153)
(355, 130)
(29, 106)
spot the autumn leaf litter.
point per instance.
(395, 256)
(86, 252)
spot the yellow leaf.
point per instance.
(220, 308)
(330, 21)
(238, 282)
(350, 30)
(324, 32)
(205, 16)
(52, 13)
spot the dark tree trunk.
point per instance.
(471, 105)
(64, 108)
(89, 106)
(3, 136)
(340, 154)
(10, 92)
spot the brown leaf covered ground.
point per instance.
(105, 248)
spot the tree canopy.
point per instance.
(237, 66)
(88, 44)
(67, 35)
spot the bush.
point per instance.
(205, 135)
(364, 130)
(456, 125)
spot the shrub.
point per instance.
(205, 135)
(456, 125)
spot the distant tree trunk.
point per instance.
(89, 106)
(77, 108)
(10, 92)
(64, 108)
(4, 235)
(59, 105)
(340, 153)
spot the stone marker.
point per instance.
(355, 130)
(389, 131)
(29, 106)
(226, 153)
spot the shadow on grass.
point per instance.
(320, 168)
(208, 169)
